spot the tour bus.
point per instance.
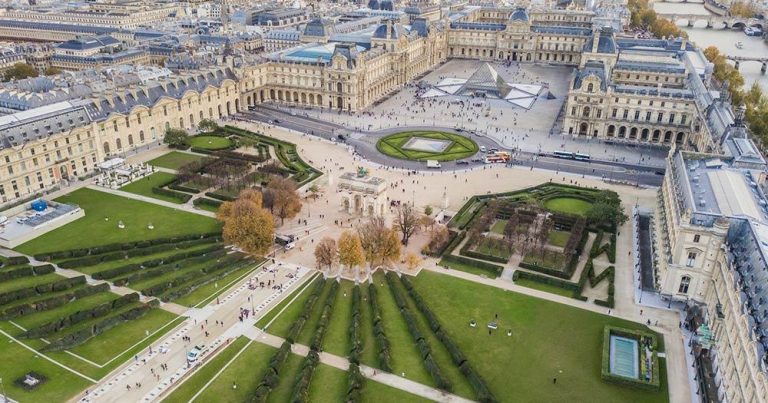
(286, 241)
(498, 157)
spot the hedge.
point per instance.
(13, 261)
(565, 285)
(301, 386)
(80, 316)
(82, 335)
(493, 269)
(382, 342)
(53, 302)
(441, 381)
(482, 256)
(158, 270)
(183, 197)
(272, 375)
(174, 294)
(325, 317)
(41, 289)
(606, 375)
(118, 271)
(182, 188)
(301, 320)
(92, 260)
(596, 250)
(203, 201)
(221, 197)
(478, 384)
(354, 331)
(26, 271)
(355, 384)
(157, 289)
(96, 250)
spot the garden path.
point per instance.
(183, 207)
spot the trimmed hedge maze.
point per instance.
(459, 146)
(506, 219)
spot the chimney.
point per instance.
(683, 43)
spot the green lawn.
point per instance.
(405, 356)
(93, 229)
(460, 146)
(122, 337)
(463, 267)
(568, 205)
(210, 142)
(543, 287)
(40, 318)
(329, 385)
(138, 259)
(62, 385)
(31, 281)
(183, 393)
(549, 259)
(143, 186)
(245, 371)
(284, 321)
(498, 227)
(559, 238)
(289, 372)
(368, 355)
(175, 160)
(337, 337)
(549, 340)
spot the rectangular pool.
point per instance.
(624, 357)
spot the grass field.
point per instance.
(463, 267)
(210, 142)
(143, 186)
(94, 229)
(549, 340)
(460, 147)
(498, 227)
(568, 205)
(549, 259)
(487, 247)
(559, 238)
(174, 160)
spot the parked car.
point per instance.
(341, 137)
(462, 162)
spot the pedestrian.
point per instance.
(554, 380)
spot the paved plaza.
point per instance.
(512, 127)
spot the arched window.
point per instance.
(685, 282)
(130, 140)
(119, 144)
(585, 112)
(590, 87)
(141, 136)
(106, 147)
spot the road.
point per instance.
(364, 144)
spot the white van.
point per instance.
(482, 149)
(433, 164)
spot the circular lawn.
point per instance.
(568, 205)
(426, 145)
(210, 142)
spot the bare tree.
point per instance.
(379, 242)
(406, 221)
(326, 253)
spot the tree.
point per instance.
(379, 242)
(607, 209)
(247, 224)
(52, 71)
(428, 210)
(284, 198)
(743, 9)
(351, 252)
(412, 261)
(20, 71)
(406, 221)
(326, 252)
(438, 237)
(176, 138)
(207, 126)
(511, 225)
(245, 142)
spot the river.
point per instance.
(723, 39)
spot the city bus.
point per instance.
(581, 157)
(563, 154)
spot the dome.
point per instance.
(373, 4)
(387, 5)
(519, 15)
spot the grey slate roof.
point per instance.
(592, 67)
